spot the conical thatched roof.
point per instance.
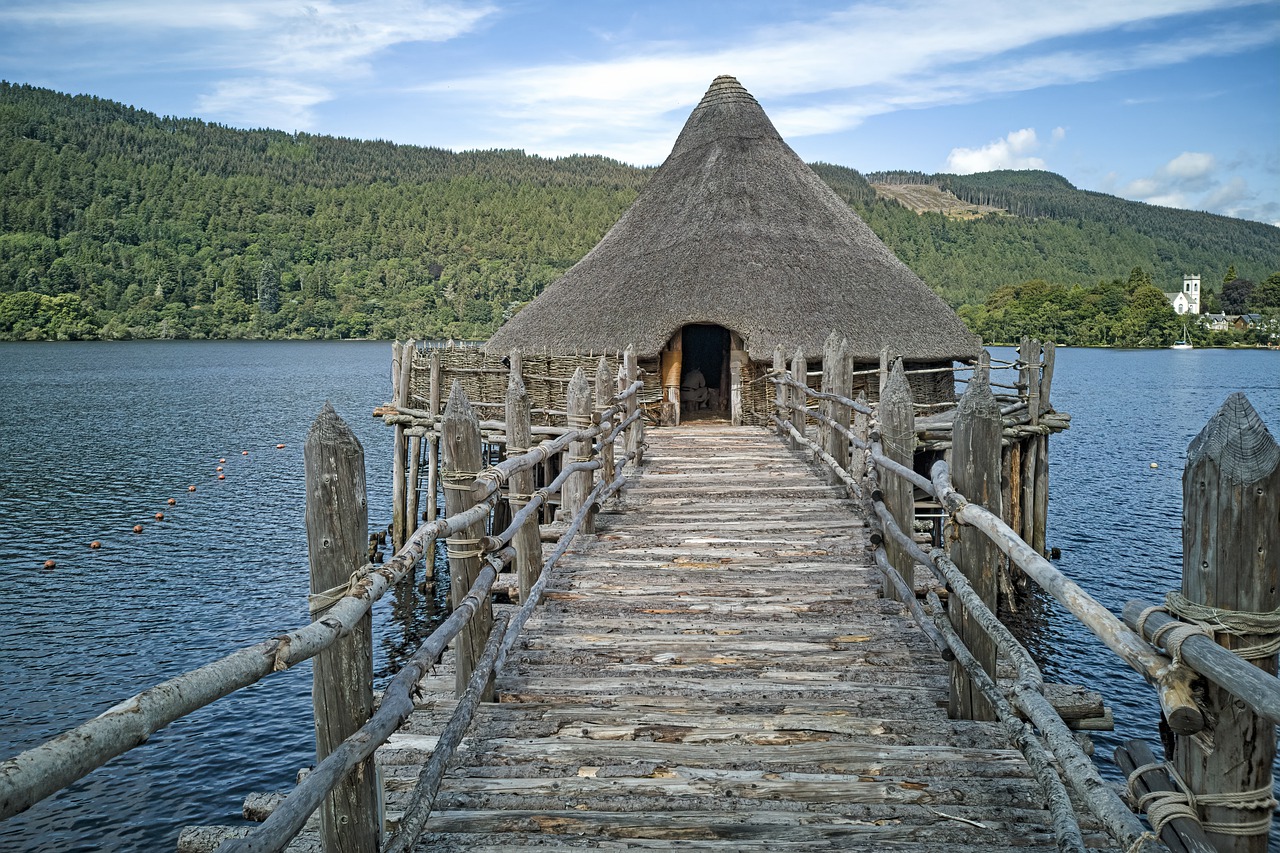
(734, 229)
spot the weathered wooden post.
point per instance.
(578, 486)
(799, 400)
(671, 365)
(519, 438)
(975, 472)
(399, 449)
(1029, 354)
(886, 361)
(841, 382)
(604, 393)
(1041, 508)
(898, 440)
(635, 432)
(342, 679)
(830, 349)
(1231, 577)
(780, 393)
(433, 459)
(460, 447)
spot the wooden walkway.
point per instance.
(715, 670)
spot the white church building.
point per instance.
(1187, 300)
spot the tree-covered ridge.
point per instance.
(115, 222)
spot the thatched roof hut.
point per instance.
(734, 231)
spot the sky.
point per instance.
(1171, 102)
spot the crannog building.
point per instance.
(733, 248)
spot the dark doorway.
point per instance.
(704, 374)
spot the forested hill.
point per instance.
(115, 222)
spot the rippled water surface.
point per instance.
(95, 437)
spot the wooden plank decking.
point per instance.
(716, 670)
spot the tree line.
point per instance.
(117, 223)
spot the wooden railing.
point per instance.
(606, 435)
(1222, 709)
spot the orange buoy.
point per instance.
(50, 564)
(222, 476)
(95, 544)
(137, 528)
(219, 467)
(222, 460)
(159, 516)
(173, 502)
(279, 447)
(244, 453)
(191, 488)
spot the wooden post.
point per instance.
(342, 679)
(886, 361)
(1231, 562)
(840, 383)
(975, 468)
(519, 438)
(1041, 508)
(780, 395)
(861, 423)
(399, 450)
(830, 347)
(739, 362)
(898, 439)
(799, 400)
(1030, 356)
(460, 447)
(578, 486)
(635, 432)
(604, 386)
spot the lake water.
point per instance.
(95, 437)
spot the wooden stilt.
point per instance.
(898, 438)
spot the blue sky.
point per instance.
(1173, 102)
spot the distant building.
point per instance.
(1217, 322)
(1187, 300)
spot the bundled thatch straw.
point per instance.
(735, 230)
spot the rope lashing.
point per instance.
(319, 602)
(1206, 620)
(461, 549)
(458, 480)
(1164, 806)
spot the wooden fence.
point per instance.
(1209, 651)
(605, 435)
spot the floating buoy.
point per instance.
(220, 461)
(244, 453)
(219, 467)
(222, 476)
(172, 502)
(279, 447)
(1154, 465)
(50, 564)
(191, 488)
(95, 544)
(137, 528)
(159, 516)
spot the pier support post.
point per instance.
(460, 447)
(399, 449)
(635, 432)
(975, 471)
(780, 394)
(578, 486)
(519, 438)
(337, 523)
(842, 385)
(799, 401)
(1230, 572)
(898, 439)
(603, 393)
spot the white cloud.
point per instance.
(1197, 181)
(828, 74)
(1012, 152)
(281, 57)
